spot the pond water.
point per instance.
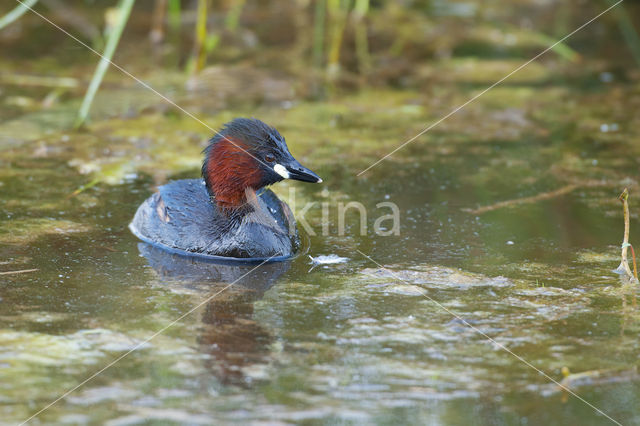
(339, 343)
(348, 342)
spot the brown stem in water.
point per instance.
(633, 256)
(624, 264)
(543, 196)
(22, 271)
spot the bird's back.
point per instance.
(180, 217)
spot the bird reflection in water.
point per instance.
(228, 332)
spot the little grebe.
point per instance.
(228, 213)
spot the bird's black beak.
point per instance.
(294, 170)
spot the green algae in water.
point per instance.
(25, 231)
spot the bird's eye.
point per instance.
(269, 158)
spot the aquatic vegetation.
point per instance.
(24, 231)
(16, 13)
(114, 31)
(624, 264)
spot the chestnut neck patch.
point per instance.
(229, 170)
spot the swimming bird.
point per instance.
(229, 213)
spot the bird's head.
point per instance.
(248, 154)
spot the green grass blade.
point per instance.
(16, 13)
(124, 10)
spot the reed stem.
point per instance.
(16, 12)
(199, 58)
(318, 33)
(360, 11)
(624, 263)
(124, 10)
